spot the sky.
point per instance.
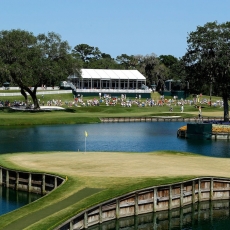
(132, 27)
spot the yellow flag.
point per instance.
(86, 134)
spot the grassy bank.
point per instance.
(91, 114)
(113, 175)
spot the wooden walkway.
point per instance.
(156, 119)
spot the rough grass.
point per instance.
(115, 173)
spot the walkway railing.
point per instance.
(153, 199)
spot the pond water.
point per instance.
(11, 199)
(131, 137)
(200, 216)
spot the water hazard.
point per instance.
(205, 215)
(11, 199)
(131, 137)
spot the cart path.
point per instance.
(30, 219)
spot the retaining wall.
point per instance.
(40, 183)
(154, 199)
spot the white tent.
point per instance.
(108, 79)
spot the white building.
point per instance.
(93, 82)
(108, 79)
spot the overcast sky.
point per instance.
(116, 26)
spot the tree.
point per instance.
(104, 62)
(172, 63)
(31, 62)
(208, 54)
(152, 69)
(86, 53)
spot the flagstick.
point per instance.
(85, 143)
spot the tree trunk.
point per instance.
(35, 101)
(226, 109)
(24, 95)
(33, 96)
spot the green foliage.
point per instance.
(30, 61)
(208, 60)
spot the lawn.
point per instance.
(109, 174)
(92, 114)
(106, 175)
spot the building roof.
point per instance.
(108, 74)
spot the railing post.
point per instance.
(7, 178)
(43, 184)
(71, 225)
(154, 199)
(170, 197)
(136, 205)
(211, 189)
(0, 176)
(193, 192)
(85, 220)
(55, 182)
(199, 190)
(181, 194)
(17, 181)
(29, 182)
(100, 214)
(117, 208)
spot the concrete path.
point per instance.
(30, 219)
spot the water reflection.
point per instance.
(204, 215)
(11, 199)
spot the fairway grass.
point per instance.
(113, 173)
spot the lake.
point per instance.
(131, 137)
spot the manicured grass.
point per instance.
(91, 114)
(113, 175)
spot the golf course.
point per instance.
(94, 177)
